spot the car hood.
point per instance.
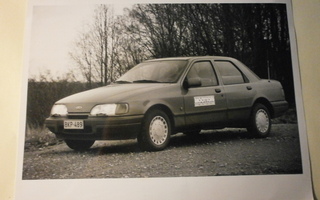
(115, 93)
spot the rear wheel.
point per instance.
(79, 145)
(156, 131)
(260, 122)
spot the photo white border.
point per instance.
(297, 186)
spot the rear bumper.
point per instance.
(98, 128)
(279, 108)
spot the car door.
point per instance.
(239, 92)
(205, 105)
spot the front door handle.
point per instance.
(218, 90)
(249, 88)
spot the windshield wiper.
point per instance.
(146, 81)
(123, 82)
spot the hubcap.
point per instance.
(158, 130)
(262, 121)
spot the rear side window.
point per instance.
(204, 71)
(230, 74)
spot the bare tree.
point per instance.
(128, 49)
(160, 28)
(91, 49)
(83, 57)
(108, 48)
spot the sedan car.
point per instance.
(161, 97)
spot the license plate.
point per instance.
(73, 124)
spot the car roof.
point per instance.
(190, 58)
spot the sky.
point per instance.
(54, 29)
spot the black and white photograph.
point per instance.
(152, 96)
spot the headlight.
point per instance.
(109, 109)
(59, 110)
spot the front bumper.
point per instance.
(98, 128)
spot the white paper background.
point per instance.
(227, 187)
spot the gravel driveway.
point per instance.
(213, 153)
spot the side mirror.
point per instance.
(192, 82)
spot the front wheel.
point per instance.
(156, 131)
(79, 145)
(260, 122)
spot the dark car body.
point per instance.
(204, 93)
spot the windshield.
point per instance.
(154, 72)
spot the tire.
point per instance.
(156, 131)
(79, 145)
(260, 121)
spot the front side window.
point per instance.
(203, 71)
(230, 74)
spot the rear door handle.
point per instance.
(249, 88)
(218, 90)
